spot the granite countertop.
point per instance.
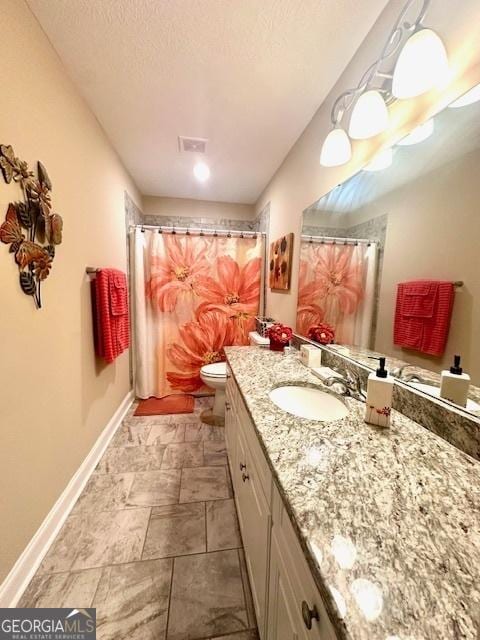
(363, 357)
(389, 520)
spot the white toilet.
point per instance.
(215, 376)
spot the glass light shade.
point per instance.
(419, 134)
(421, 65)
(201, 171)
(336, 149)
(369, 116)
(468, 98)
(382, 161)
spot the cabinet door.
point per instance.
(281, 617)
(255, 521)
(231, 426)
(306, 608)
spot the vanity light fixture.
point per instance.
(468, 98)
(419, 134)
(421, 64)
(336, 149)
(201, 171)
(369, 116)
(381, 161)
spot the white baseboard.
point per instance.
(16, 582)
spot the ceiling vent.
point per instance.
(197, 145)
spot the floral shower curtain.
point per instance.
(336, 286)
(193, 295)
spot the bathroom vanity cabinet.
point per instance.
(287, 603)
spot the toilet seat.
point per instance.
(215, 370)
(215, 376)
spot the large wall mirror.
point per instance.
(391, 258)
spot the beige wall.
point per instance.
(184, 207)
(54, 397)
(433, 232)
(301, 180)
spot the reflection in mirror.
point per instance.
(389, 260)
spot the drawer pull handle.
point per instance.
(242, 466)
(309, 615)
(245, 476)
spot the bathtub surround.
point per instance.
(387, 518)
(220, 224)
(199, 214)
(133, 213)
(73, 394)
(184, 212)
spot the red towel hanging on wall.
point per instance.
(110, 313)
(422, 315)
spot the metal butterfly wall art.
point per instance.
(31, 228)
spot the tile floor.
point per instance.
(153, 541)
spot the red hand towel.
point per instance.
(111, 314)
(422, 315)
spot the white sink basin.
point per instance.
(306, 402)
(435, 391)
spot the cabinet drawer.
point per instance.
(300, 579)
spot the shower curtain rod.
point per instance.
(330, 240)
(199, 231)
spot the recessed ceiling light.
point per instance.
(201, 171)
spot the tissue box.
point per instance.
(262, 324)
(310, 356)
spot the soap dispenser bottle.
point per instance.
(455, 384)
(379, 396)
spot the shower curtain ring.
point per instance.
(187, 232)
(173, 231)
(160, 230)
(143, 229)
(311, 240)
(215, 234)
(201, 232)
(229, 235)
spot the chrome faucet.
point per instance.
(408, 377)
(349, 385)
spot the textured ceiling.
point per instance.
(246, 74)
